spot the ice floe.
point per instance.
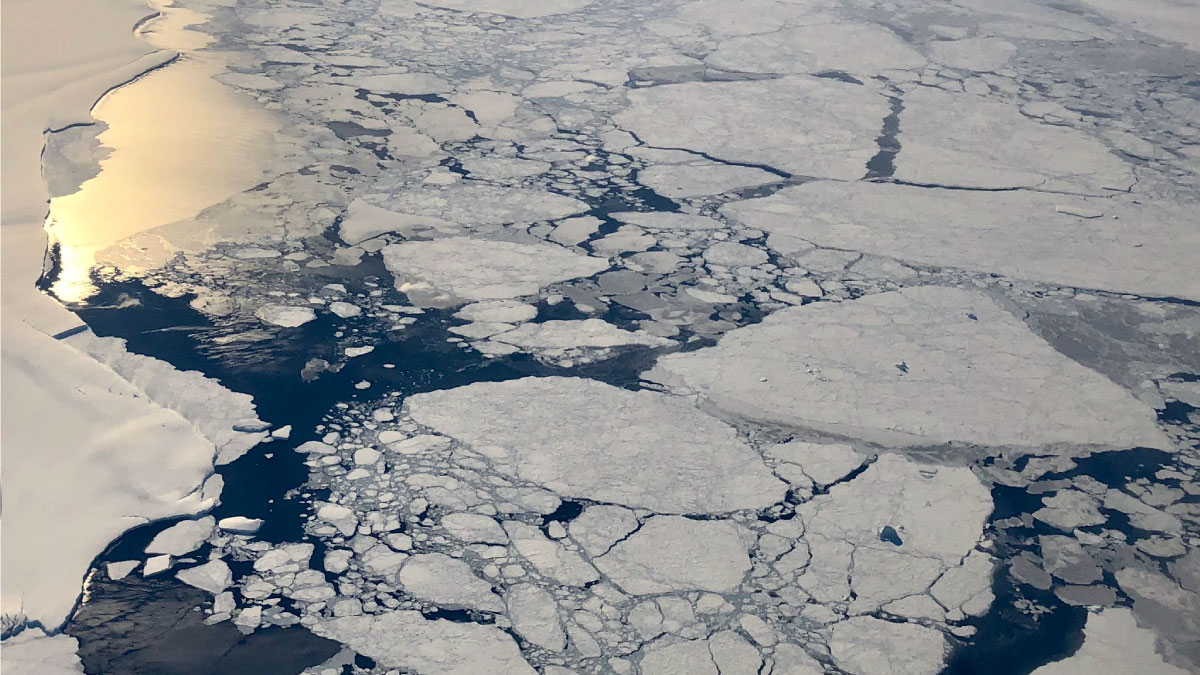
(919, 366)
(801, 125)
(636, 432)
(458, 269)
(1134, 248)
(405, 639)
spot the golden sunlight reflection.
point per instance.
(180, 142)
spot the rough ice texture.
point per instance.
(112, 463)
(34, 653)
(520, 9)
(868, 646)
(453, 207)
(465, 269)
(286, 316)
(440, 579)
(1133, 248)
(662, 220)
(675, 181)
(659, 452)
(183, 537)
(673, 553)
(212, 408)
(802, 125)
(534, 615)
(978, 54)
(860, 49)
(921, 366)
(941, 134)
(1114, 644)
(557, 334)
(936, 512)
(405, 639)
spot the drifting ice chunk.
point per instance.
(183, 537)
(535, 616)
(285, 315)
(868, 646)
(240, 524)
(1144, 248)
(460, 269)
(574, 334)
(213, 576)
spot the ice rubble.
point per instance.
(636, 432)
(817, 127)
(1132, 248)
(459, 269)
(945, 365)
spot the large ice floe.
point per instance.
(1115, 244)
(944, 365)
(459, 269)
(633, 431)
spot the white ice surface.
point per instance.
(1133, 247)
(920, 366)
(659, 451)
(405, 639)
(460, 269)
(803, 125)
(34, 653)
(1113, 644)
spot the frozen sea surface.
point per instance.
(674, 337)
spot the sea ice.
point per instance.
(802, 125)
(286, 316)
(183, 537)
(920, 366)
(405, 639)
(1139, 248)
(440, 579)
(458, 269)
(660, 452)
(673, 553)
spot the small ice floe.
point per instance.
(121, 569)
(352, 352)
(240, 524)
(286, 316)
(157, 565)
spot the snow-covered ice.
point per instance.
(920, 366)
(650, 443)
